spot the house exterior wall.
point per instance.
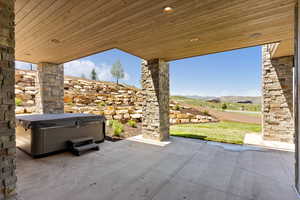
(155, 84)
(7, 101)
(277, 97)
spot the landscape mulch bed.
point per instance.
(131, 132)
(128, 132)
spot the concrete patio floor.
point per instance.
(183, 170)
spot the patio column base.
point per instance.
(50, 87)
(155, 84)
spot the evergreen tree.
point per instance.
(224, 106)
(94, 75)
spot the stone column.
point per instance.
(297, 96)
(50, 87)
(155, 84)
(7, 101)
(277, 97)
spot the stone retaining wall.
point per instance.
(86, 96)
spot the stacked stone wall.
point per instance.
(155, 84)
(277, 97)
(50, 88)
(7, 105)
(25, 92)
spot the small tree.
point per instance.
(117, 71)
(224, 106)
(94, 75)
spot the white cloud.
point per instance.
(84, 67)
(80, 67)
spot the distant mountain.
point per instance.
(232, 99)
(202, 97)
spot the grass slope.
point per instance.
(228, 132)
(218, 106)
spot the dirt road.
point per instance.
(230, 116)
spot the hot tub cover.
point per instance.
(46, 120)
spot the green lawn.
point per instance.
(228, 132)
(218, 106)
(258, 114)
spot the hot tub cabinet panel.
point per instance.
(38, 135)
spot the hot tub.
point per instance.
(39, 135)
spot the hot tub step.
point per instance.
(78, 146)
(87, 147)
(81, 141)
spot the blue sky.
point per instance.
(235, 72)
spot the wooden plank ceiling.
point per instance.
(58, 31)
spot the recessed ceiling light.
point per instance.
(255, 35)
(194, 39)
(55, 41)
(168, 9)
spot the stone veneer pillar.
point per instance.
(155, 84)
(7, 101)
(277, 97)
(50, 87)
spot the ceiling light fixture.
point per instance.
(194, 39)
(55, 41)
(255, 35)
(168, 9)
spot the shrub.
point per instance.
(18, 102)
(224, 106)
(177, 107)
(132, 123)
(206, 112)
(110, 123)
(101, 104)
(70, 103)
(117, 127)
(243, 107)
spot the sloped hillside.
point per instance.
(118, 102)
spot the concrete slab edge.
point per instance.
(140, 138)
